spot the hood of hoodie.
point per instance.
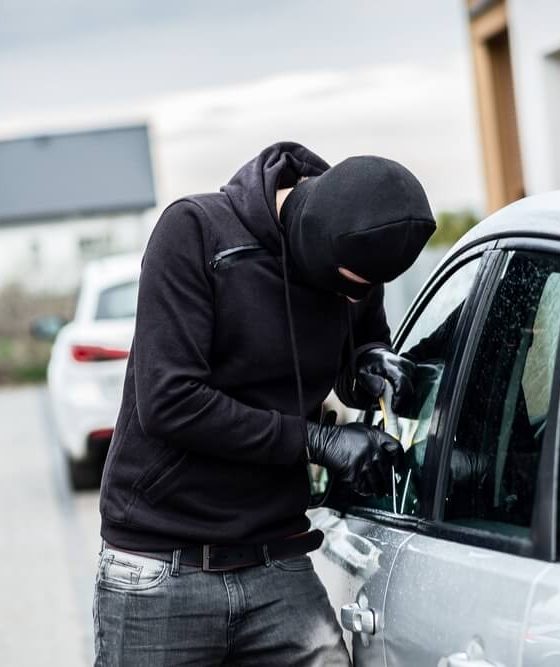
(367, 214)
(252, 190)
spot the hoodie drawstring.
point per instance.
(351, 344)
(297, 367)
(295, 355)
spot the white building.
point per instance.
(535, 39)
(68, 197)
(516, 54)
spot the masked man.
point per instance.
(253, 303)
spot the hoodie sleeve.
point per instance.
(172, 341)
(369, 328)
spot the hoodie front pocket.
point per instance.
(162, 480)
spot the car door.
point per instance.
(461, 585)
(364, 535)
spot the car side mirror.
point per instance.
(47, 327)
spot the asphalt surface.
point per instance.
(49, 542)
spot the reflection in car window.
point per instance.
(428, 344)
(117, 302)
(501, 426)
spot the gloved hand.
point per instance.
(379, 363)
(361, 455)
(468, 466)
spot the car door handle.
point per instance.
(356, 619)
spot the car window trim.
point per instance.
(461, 365)
(439, 277)
(476, 537)
(462, 339)
(381, 517)
(530, 244)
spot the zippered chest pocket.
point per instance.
(226, 258)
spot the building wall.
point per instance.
(535, 50)
(49, 256)
(492, 67)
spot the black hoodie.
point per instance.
(209, 444)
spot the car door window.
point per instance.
(428, 344)
(117, 302)
(501, 424)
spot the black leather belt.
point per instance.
(219, 557)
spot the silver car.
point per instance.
(458, 567)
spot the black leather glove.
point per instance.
(379, 363)
(468, 466)
(361, 455)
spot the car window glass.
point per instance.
(537, 375)
(499, 434)
(117, 302)
(428, 344)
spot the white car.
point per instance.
(86, 370)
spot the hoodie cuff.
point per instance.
(292, 444)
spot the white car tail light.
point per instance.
(88, 353)
(101, 434)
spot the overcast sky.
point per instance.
(218, 80)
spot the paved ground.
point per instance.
(49, 541)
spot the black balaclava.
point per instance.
(367, 214)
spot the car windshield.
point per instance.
(117, 302)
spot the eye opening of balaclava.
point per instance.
(367, 214)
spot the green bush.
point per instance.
(23, 359)
(451, 225)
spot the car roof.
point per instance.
(535, 216)
(103, 273)
(112, 270)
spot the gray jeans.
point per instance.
(149, 612)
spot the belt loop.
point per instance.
(266, 556)
(206, 557)
(102, 547)
(175, 564)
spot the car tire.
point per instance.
(84, 474)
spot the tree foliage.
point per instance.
(451, 225)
